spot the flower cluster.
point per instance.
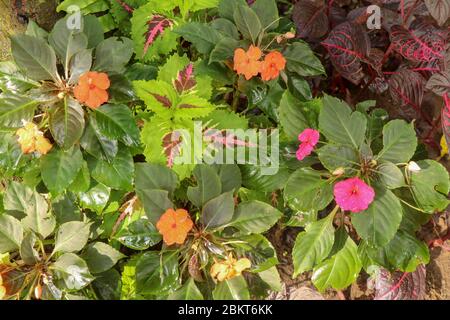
(248, 63)
(31, 139)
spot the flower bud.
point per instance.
(339, 172)
(413, 167)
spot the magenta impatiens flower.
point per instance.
(308, 139)
(353, 194)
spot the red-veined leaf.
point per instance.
(156, 27)
(439, 83)
(311, 19)
(400, 286)
(420, 44)
(439, 10)
(348, 45)
(406, 89)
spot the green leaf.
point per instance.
(101, 257)
(139, 235)
(338, 156)
(203, 37)
(230, 176)
(112, 54)
(117, 174)
(253, 178)
(228, 7)
(302, 60)
(306, 190)
(117, 122)
(80, 63)
(35, 56)
(13, 80)
(430, 186)
(17, 198)
(247, 23)
(218, 211)
(15, 108)
(11, 233)
(188, 291)
(35, 31)
(71, 236)
(340, 125)
(66, 42)
(272, 278)
(59, 168)
(390, 175)
(155, 202)
(97, 145)
(65, 209)
(233, 289)
(96, 198)
(82, 180)
(93, 29)
(155, 176)
(255, 217)
(157, 273)
(208, 185)
(107, 285)
(226, 28)
(258, 250)
(223, 50)
(380, 222)
(38, 219)
(399, 142)
(267, 11)
(339, 271)
(405, 252)
(73, 271)
(67, 122)
(27, 252)
(313, 245)
(296, 115)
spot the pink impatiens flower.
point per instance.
(353, 194)
(308, 139)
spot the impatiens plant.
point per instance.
(363, 168)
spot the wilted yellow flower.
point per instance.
(444, 147)
(229, 268)
(31, 139)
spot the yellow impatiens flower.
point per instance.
(31, 139)
(229, 268)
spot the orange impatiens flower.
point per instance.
(31, 139)
(247, 62)
(273, 63)
(229, 268)
(91, 89)
(174, 226)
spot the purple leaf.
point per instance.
(310, 18)
(348, 45)
(400, 286)
(446, 118)
(439, 83)
(406, 89)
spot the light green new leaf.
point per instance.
(188, 291)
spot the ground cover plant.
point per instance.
(227, 149)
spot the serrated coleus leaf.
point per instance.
(185, 80)
(348, 45)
